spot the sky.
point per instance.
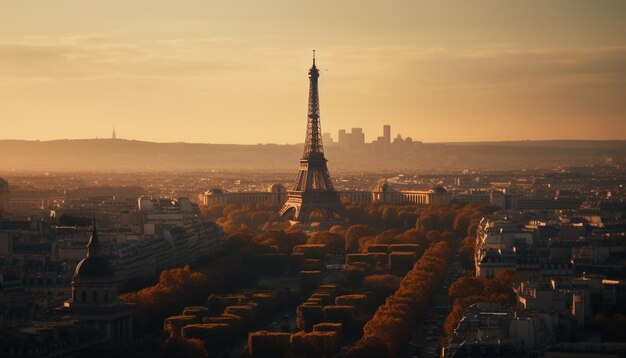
(236, 71)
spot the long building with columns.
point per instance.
(383, 193)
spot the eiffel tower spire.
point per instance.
(313, 190)
(313, 142)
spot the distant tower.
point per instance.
(341, 138)
(93, 299)
(113, 136)
(387, 133)
(313, 191)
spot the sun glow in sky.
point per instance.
(236, 71)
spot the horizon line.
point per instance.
(302, 143)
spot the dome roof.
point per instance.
(94, 265)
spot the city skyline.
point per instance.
(352, 178)
(200, 72)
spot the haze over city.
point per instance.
(336, 179)
(232, 72)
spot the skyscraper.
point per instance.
(387, 133)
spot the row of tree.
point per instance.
(257, 229)
(432, 224)
(176, 287)
(181, 287)
(250, 217)
(468, 290)
(390, 328)
(261, 217)
(465, 225)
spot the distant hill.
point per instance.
(132, 155)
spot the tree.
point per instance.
(406, 219)
(258, 218)
(428, 221)
(372, 347)
(178, 347)
(433, 236)
(385, 282)
(389, 216)
(466, 286)
(355, 273)
(466, 291)
(386, 237)
(354, 233)
(393, 321)
(453, 319)
(338, 229)
(335, 243)
(461, 223)
(412, 236)
(176, 288)
(506, 277)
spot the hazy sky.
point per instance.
(235, 71)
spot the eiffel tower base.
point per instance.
(325, 205)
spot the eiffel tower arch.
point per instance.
(313, 197)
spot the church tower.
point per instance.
(93, 299)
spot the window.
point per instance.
(84, 296)
(106, 296)
(95, 296)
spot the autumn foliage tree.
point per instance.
(335, 243)
(181, 287)
(176, 288)
(390, 328)
(179, 347)
(354, 234)
(465, 225)
(468, 290)
(281, 241)
(253, 217)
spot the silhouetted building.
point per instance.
(355, 138)
(385, 194)
(387, 133)
(342, 137)
(277, 195)
(94, 300)
(313, 191)
(4, 196)
(327, 138)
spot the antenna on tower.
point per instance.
(313, 57)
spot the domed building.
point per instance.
(94, 300)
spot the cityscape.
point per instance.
(359, 242)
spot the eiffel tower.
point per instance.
(313, 197)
